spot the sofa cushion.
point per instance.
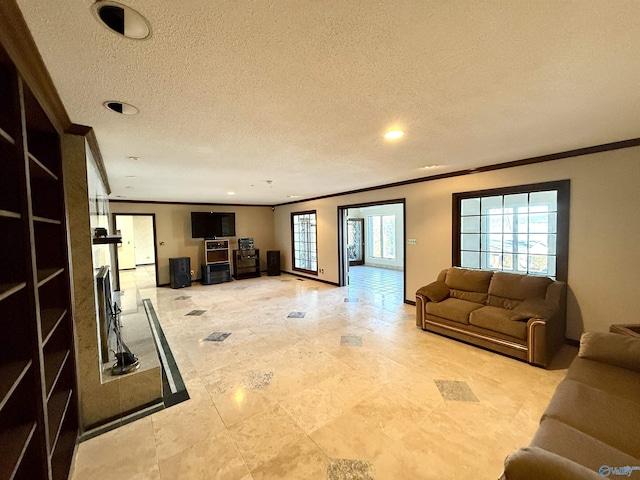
(612, 348)
(532, 463)
(518, 287)
(469, 280)
(611, 419)
(532, 308)
(502, 302)
(618, 381)
(469, 296)
(498, 320)
(452, 309)
(435, 291)
(560, 438)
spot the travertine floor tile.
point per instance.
(281, 398)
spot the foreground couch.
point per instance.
(591, 428)
(518, 315)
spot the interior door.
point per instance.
(355, 241)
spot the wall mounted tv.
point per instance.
(213, 225)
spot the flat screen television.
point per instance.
(213, 225)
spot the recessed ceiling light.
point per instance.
(231, 193)
(430, 166)
(121, 19)
(293, 196)
(393, 134)
(121, 107)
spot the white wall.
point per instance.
(604, 263)
(143, 237)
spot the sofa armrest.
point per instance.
(421, 300)
(435, 291)
(533, 463)
(546, 335)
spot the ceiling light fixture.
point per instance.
(293, 196)
(430, 166)
(134, 158)
(231, 193)
(393, 134)
(121, 107)
(121, 19)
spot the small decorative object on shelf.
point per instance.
(245, 244)
(126, 361)
(99, 232)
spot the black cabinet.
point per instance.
(246, 264)
(215, 273)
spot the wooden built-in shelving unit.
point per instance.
(38, 386)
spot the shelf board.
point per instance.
(57, 408)
(8, 289)
(47, 274)
(50, 318)
(7, 137)
(8, 214)
(107, 240)
(14, 443)
(42, 167)
(53, 366)
(47, 220)
(10, 376)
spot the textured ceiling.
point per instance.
(233, 93)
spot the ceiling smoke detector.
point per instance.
(121, 19)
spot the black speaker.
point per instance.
(215, 273)
(273, 262)
(180, 272)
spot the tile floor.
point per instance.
(281, 397)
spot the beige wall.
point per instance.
(604, 263)
(173, 230)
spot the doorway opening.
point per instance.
(137, 256)
(371, 253)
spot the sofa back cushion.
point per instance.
(469, 280)
(507, 290)
(468, 296)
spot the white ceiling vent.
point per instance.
(121, 19)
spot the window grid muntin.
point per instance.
(506, 228)
(304, 241)
(378, 246)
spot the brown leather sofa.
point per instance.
(522, 316)
(590, 427)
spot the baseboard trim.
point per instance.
(310, 278)
(572, 342)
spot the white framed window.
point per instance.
(517, 229)
(304, 241)
(382, 236)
